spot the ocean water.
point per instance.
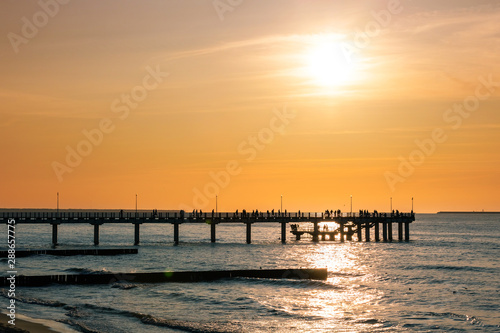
(447, 278)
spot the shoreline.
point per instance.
(28, 324)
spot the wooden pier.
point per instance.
(347, 224)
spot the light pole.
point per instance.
(216, 209)
(281, 204)
(412, 204)
(57, 202)
(136, 203)
(391, 204)
(351, 204)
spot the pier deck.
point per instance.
(348, 223)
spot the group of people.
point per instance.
(244, 214)
(256, 214)
(333, 213)
(362, 213)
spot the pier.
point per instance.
(345, 225)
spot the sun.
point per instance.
(328, 65)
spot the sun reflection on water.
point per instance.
(345, 301)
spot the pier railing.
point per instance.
(183, 217)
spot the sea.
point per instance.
(445, 279)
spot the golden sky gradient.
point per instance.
(250, 100)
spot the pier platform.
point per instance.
(347, 224)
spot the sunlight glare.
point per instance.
(328, 65)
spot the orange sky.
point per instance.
(250, 100)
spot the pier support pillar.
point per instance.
(249, 233)
(283, 232)
(407, 231)
(54, 234)
(176, 233)
(96, 234)
(389, 231)
(315, 232)
(400, 231)
(212, 231)
(349, 233)
(359, 232)
(384, 231)
(367, 231)
(377, 232)
(342, 234)
(136, 234)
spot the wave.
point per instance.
(123, 286)
(82, 327)
(79, 270)
(302, 284)
(32, 300)
(453, 268)
(187, 326)
(76, 313)
(370, 321)
(455, 316)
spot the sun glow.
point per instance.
(328, 64)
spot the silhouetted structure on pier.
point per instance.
(348, 225)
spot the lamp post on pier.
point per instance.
(351, 205)
(281, 210)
